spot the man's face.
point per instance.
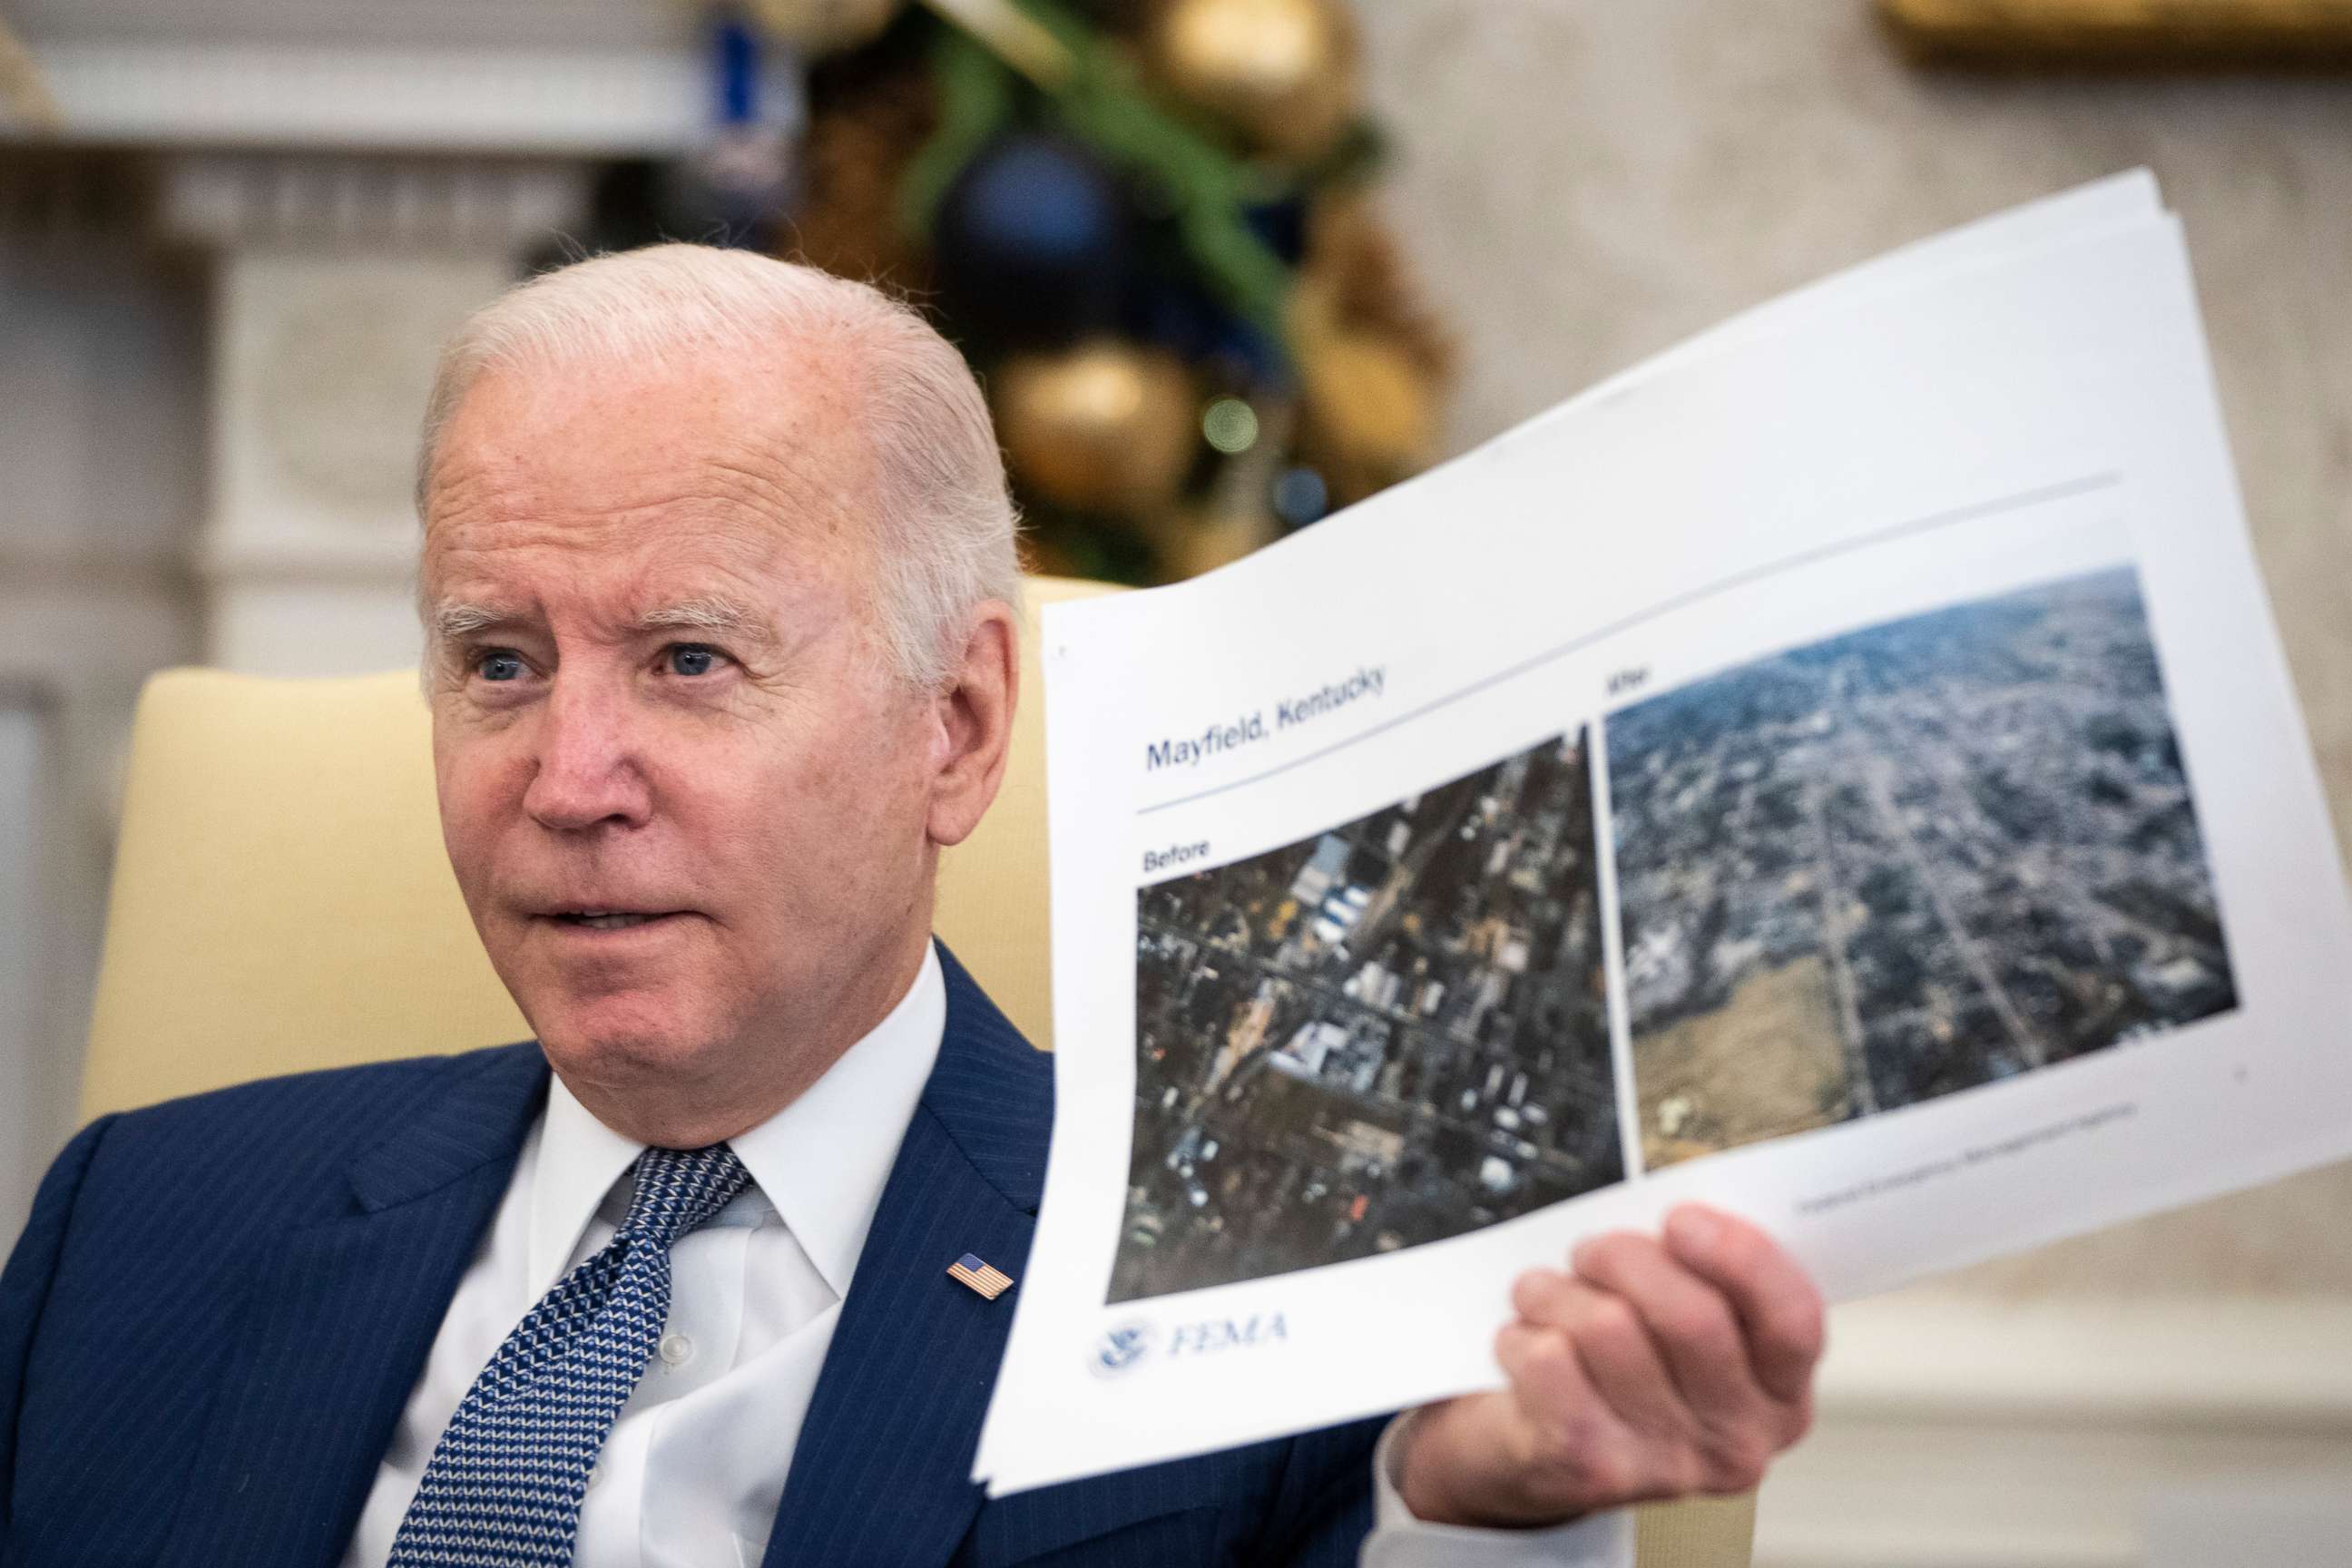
(685, 795)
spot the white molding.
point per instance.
(322, 358)
(27, 1116)
(453, 23)
(2278, 1359)
(578, 103)
(366, 204)
(1972, 1432)
(226, 561)
(319, 626)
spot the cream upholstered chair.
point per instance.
(281, 902)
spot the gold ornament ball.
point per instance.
(825, 27)
(1371, 411)
(1105, 426)
(1280, 72)
(1216, 540)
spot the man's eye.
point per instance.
(498, 664)
(692, 658)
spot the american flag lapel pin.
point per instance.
(985, 1277)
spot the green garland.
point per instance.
(1097, 102)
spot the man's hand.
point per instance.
(1650, 1370)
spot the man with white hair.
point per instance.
(719, 586)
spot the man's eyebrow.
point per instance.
(712, 612)
(454, 619)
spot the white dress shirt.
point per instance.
(693, 1469)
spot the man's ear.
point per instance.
(972, 723)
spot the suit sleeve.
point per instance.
(1336, 1507)
(1400, 1541)
(24, 1292)
(1322, 1508)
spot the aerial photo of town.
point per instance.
(1388, 1033)
(1906, 861)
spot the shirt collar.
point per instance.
(821, 1160)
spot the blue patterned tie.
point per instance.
(504, 1485)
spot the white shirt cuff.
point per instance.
(1401, 1541)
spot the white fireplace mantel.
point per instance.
(361, 176)
(335, 277)
(580, 79)
(553, 102)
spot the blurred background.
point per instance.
(1224, 264)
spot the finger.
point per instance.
(1619, 1358)
(1777, 1303)
(1579, 1429)
(1543, 1370)
(1696, 1333)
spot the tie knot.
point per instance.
(680, 1189)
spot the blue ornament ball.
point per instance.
(1031, 244)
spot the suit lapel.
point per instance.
(882, 1472)
(341, 1313)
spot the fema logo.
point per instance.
(1120, 1349)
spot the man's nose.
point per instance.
(588, 773)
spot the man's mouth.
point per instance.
(608, 919)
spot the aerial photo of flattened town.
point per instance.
(1906, 861)
(1387, 1034)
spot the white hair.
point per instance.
(944, 528)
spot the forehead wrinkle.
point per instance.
(453, 491)
(787, 501)
(795, 484)
(479, 554)
(761, 482)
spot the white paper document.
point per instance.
(1843, 771)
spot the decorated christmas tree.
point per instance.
(1148, 223)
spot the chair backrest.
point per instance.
(281, 902)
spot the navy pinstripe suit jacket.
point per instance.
(220, 1306)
